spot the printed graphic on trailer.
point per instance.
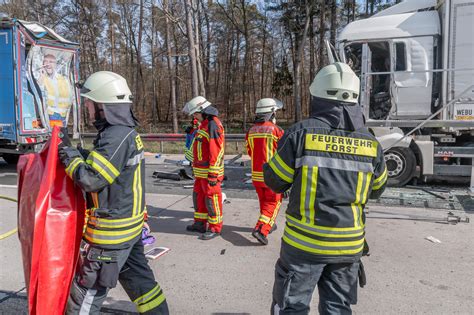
(51, 78)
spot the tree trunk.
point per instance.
(191, 49)
(171, 71)
(299, 56)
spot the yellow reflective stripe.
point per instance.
(277, 171)
(203, 133)
(381, 177)
(218, 208)
(366, 189)
(312, 197)
(116, 223)
(147, 296)
(283, 164)
(355, 204)
(323, 243)
(151, 305)
(380, 181)
(264, 218)
(275, 213)
(135, 192)
(304, 176)
(320, 227)
(199, 150)
(199, 215)
(263, 135)
(140, 189)
(73, 166)
(356, 234)
(323, 251)
(111, 237)
(95, 155)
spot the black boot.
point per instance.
(260, 237)
(274, 228)
(209, 235)
(198, 226)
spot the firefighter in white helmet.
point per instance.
(208, 168)
(333, 165)
(261, 140)
(113, 176)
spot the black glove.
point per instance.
(85, 153)
(67, 154)
(65, 137)
(212, 181)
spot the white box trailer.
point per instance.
(416, 64)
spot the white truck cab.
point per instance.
(416, 64)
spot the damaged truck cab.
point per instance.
(416, 65)
(38, 71)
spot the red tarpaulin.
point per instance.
(50, 222)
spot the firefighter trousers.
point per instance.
(99, 271)
(297, 277)
(207, 202)
(270, 203)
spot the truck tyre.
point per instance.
(11, 158)
(401, 166)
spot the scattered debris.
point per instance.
(432, 239)
(455, 219)
(181, 174)
(248, 174)
(223, 251)
(224, 198)
(188, 186)
(156, 252)
(232, 160)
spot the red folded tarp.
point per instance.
(50, 222)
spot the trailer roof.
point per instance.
(392, 26)
(42, 32)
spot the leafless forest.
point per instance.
(231, 51)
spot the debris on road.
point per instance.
(432, 239)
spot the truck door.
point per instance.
(7, 88)
(412, 91)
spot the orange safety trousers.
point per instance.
(270, 203)
(207, 202)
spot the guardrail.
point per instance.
(170, 137)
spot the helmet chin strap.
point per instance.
(97, 110)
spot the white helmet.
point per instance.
(336, 82)
(196, 105)
(268, 105)
(107, 87)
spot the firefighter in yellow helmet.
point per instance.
(333, 164)
(57, 92)
(113, 175)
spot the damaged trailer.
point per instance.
(415, 61)
(38, 72)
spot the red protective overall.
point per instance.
(208, 165)
(50, 222)
(261, 142)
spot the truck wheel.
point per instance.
(11, 158)
(401, 166)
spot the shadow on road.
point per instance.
(174, 222)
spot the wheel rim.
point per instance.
(395, 164)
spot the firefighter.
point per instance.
(208, 168)
(261, 141)
(190, 133)
(57, 91)
(113, 176)
(333, 164)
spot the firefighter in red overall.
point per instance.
(261, 142)
(208, 168)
